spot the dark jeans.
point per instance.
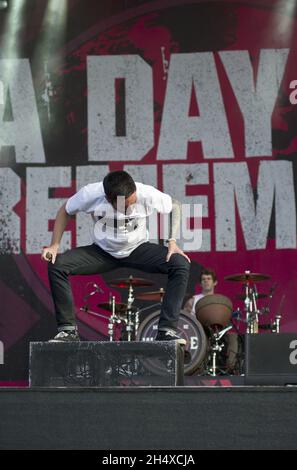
(91, 259)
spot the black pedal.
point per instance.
(271, 359)
(106, 364)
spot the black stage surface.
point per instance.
(240, 417)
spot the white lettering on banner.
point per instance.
(23, 131)
(210, 127)
(186, 72)
(275, 184)
(275, 189)
(1, 93)
(1, 353)
(293, 95)
(256, 101)
(195, 71)
(10, 193)
(146, 174)
(41, 208)
(104, 145)
(293, 354)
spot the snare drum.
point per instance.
(188, 328)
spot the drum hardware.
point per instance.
(275, 327)
(251, 309)
(120, 312)
(237, 314)
(250, 297)
(252, 312)
(189, 328)
(215, 347)
(266, 326)
(131, 319)
(120, 308)
(247, 277)
(154, 295)
(130, 323)
(97, 290)
(112, 318)
(150, 307)
(117, 310)
(96, 314)
(131, 281)
(258, 296)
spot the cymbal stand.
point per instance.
(130, 324)
(100, 315)
(251, 309)
(275, 327)
(112, 319)
(136, 323)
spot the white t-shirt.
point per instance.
(115, 232)
(196, 299)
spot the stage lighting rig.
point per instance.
(3, 4)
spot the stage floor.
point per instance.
(147, 418)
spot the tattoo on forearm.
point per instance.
(174, 220)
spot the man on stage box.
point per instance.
(119, 208)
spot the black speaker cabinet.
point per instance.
(271, 359)
(106, 364)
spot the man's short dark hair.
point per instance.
(208, 272)
(118, 183)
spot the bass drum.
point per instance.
(188, 328)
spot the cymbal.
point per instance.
(247, 277)
(120, 308)
(153, 295)
(131, 281)
(258, 296)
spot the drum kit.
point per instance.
(209, 349)
(215, 312)
(124, 314)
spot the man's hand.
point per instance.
(49, 253)
(173, 248)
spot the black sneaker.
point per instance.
(170, 335)
(65, 337)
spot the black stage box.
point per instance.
(271, 359)
(106, 364)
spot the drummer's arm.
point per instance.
(189, 305)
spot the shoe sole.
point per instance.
(181, 341)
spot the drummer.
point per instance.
(207, 282)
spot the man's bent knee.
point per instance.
(179, 261)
